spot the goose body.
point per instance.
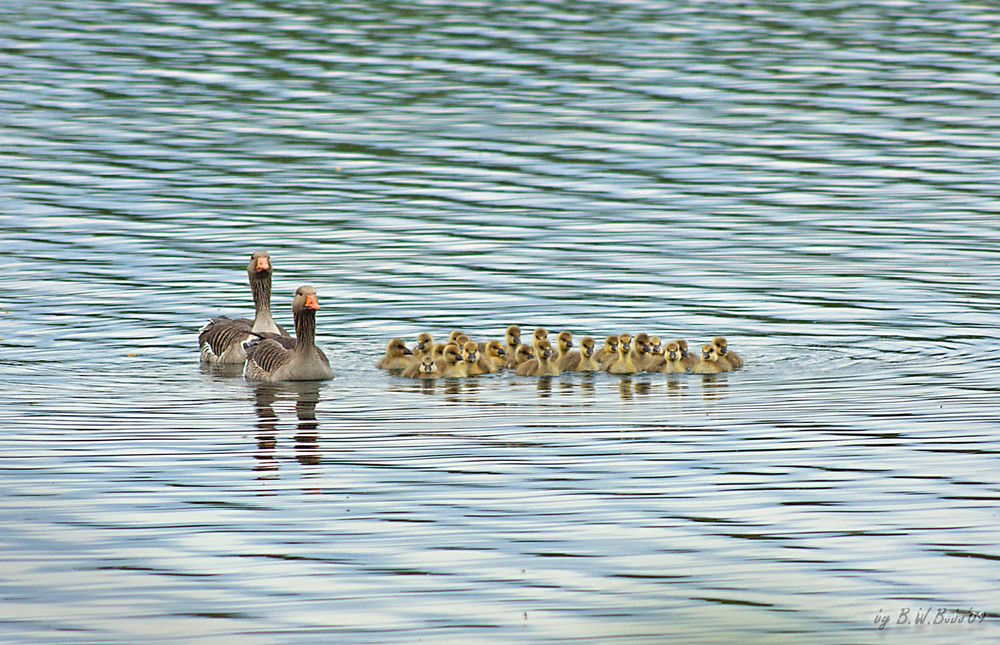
(221, 339)
(270, 361)
(397, 356)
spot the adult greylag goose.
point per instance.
(397, 356)
(221, 339)
(726, 354)
(270, 361)
(609, 350)
(623, 364)
(542, 364)
(709, 361)
(424, 369)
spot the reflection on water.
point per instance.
(818, 184)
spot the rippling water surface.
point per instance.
(816, 181)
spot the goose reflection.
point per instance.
(305, 394)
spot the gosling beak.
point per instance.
(311, 302)
(673, 356)
(706, 355)
(569, 343)
(407, 351)
(419, 347)
(546, 353)
(515, 341)
(722, 351)
(501, 352)
(625, 346)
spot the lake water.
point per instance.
(816, 181)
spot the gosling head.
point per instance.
(424, 342)
(709, 352)
(513, 336)
(470, 351)
(624, 343)
(673, 351)
(544, 349)
(565, 341)
(587, 346)
(721, 345)
(397, 348)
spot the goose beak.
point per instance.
(263, 265)
(311, 302)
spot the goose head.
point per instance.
(304, 300)
(260, 265)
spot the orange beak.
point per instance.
(311, 302)
(263, 265)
